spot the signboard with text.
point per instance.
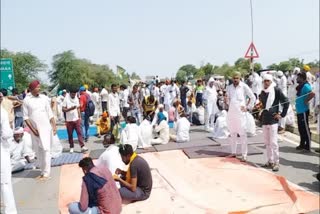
(7, 76)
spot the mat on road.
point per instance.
(177, 146)
(216, 151)
(63, 134)
(257, 139)
(63, 159)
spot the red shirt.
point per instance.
(83, 101)
(109, 199)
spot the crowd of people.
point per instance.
(139, 115)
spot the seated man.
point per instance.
(191, 107)
(21, 150)
(145, 134)
(103, 124)
(130, 134)
(136, 183)
(99, 193)
(160, 109)
(110, 158)
(220, 130)
(182, 128)
(162, 128)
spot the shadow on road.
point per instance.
(26, 174)
(314, 186)
(288, 149)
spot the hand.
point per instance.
(243, 109)
(54, 130)
(277, 117)
(116, 177)
(118, 171)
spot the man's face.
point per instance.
(36, 91)
(236, 80)
(266, 84)
(114, 89)
(211, 84)
(135, 89)
(73, 95)
(17, 137)
(125, 159)
(299, 79)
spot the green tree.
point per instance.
(190, 70)
(135, 76)
(181, 76)
(26, 67)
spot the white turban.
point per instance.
(268, 77)
(279, 73)
(18, 130)
(160, 106)
(296, 69)
(211, 80)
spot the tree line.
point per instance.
(67, 70)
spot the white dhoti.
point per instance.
(211, 110)
(236, 121)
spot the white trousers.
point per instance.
(18, 165)
(6, 184)
(242, 140)
(270, 135)
(43, 161)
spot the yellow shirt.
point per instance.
(103, 126)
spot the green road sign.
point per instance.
(7, 76)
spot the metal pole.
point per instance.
(251, 59)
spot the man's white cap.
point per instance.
(279, 73)
(160, 106)
(268, 77)
(296, 69)
(211, 80)
(18, 130)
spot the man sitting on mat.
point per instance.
(99, 193)
(136, 183)
(103, 124)
(182, 128)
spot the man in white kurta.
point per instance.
(210, 97)
(5, 170)
(256, 86)
(39, 118)
(96, 100)
(21, 149)
(162, 127)
(130, 134)
(182, 128)
(237, 94)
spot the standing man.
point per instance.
(104, 98)
(210, 97)
(84, 97)
(135, 104)
(114, 106)
(39, 118)
(256, 83)
(124, 94)
(237, 94)
(271, 98)
(183, 94)
(96, 101)
(304, 95)
(198, 92)
(17, 105)
(5, 170)
(71, 107)
(8, 106)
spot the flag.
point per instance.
(120, 71)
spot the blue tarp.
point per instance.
(63, 134)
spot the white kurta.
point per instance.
(182, 128)
(130, 135)
(256, 83)
(145, 129)
(111, 159)
(282, 85)
(38, 111)
(96, 100)
(155, 118)
(164, 136)
(114, 104)
(220, 130)
(237, 97)
(210, 96)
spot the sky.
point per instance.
(152, 37)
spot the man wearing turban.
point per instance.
(39, 118)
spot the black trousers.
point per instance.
(304, 130)
(104, 106)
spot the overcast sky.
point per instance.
(157, 37)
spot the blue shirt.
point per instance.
(301, 107)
